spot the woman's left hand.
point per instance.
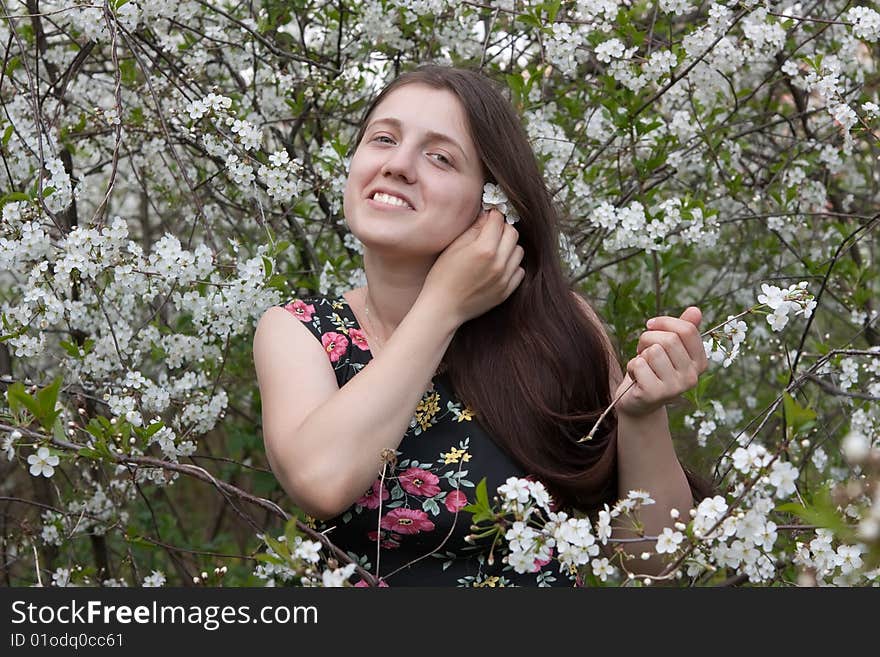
(670, 359)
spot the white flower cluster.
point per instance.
(743, 539)
(829, 84)
(423, 7)
(303, 555)
(660, 64)
(781, 301)
(669, 224)
(750, 534)
(552, 146)
(281, 177)
(154, 580)
(677, 7)
(561, 46)
(52, 522)
(539, 534)
(373, 26)
(96, 512)
(613, 49)
(754, 458)
(495, 198)
(601, 12)
(62, 194)
(212, 103)
(249, 135)
(865, 23)
(241, 173)
(764, 36)
(840, 565)
(724, 347)
(710, 419)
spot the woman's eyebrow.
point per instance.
(431, 134)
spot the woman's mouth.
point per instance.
(388, 201)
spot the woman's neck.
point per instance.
(393, 285)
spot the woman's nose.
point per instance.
(400, 163)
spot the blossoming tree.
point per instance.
(171, 169)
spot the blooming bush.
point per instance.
(172, 169)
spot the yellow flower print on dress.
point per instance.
(455, 455)
(428, 407)
(461, 414)
(491, 581)
(341, 325)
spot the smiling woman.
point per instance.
(467, 356)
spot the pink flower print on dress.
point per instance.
(420, 482)
(301, 310)
(407, 521)
(359, 338)
(362, 584)
(335, 345)
(455, 499)
(387, 540)
(370, 499)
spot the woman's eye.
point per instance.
(441, 158)
(378, 137)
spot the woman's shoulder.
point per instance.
(332, 322)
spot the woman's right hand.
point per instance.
(478, 270)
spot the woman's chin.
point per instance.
(397, 248)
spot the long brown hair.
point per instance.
(535, 369)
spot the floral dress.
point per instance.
(412, 513)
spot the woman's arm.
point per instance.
(646, 458)
(326, 447)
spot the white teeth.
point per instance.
(382, 197)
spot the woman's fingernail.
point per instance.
(650, 323)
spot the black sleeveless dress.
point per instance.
(444, 454)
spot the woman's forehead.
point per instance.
(420, 107)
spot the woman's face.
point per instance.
(415, 181)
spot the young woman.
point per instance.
(466, 356)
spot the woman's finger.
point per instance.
(670, 343)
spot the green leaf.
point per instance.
(153, 428)
(19, 399)
(798, 418)
(13, 196)
(128, 71)
(291, 531)
(278, 547)
(822, 512)
(697, 395)
(480, 508)
(47, 398)
(265, 557)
